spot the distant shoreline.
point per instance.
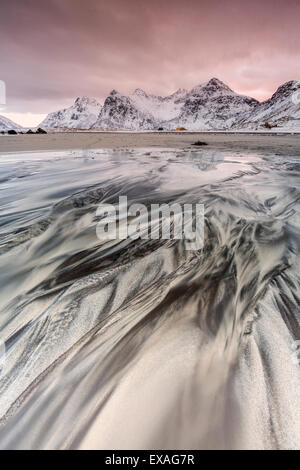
(281, 143)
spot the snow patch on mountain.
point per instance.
(160, 108)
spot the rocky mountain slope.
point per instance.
(120, 112)
(82, 115)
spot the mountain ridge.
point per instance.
(212, 105)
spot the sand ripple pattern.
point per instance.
(141, 344)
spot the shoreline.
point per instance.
(278, 143)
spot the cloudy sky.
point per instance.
(55, 50)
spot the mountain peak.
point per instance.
(85, 100)
(216, 82)
(286, 91)
(139, 92)
(180, 92)
(290, 86)
(81, 115)
(82, 99)
(212, 86)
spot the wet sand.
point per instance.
(142, 343)
(282, 144)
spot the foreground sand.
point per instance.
(269, 143)
(143, 344)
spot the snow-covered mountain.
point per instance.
(120, 112)
(139, 110)
(7, 124)
(282, 110)
(82, 115)
(212, 105)
(209, 106)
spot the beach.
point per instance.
(281, 144)
(144, 343)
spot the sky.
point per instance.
(53, 51)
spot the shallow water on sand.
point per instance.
(142, 344)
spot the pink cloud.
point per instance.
(56, 50)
